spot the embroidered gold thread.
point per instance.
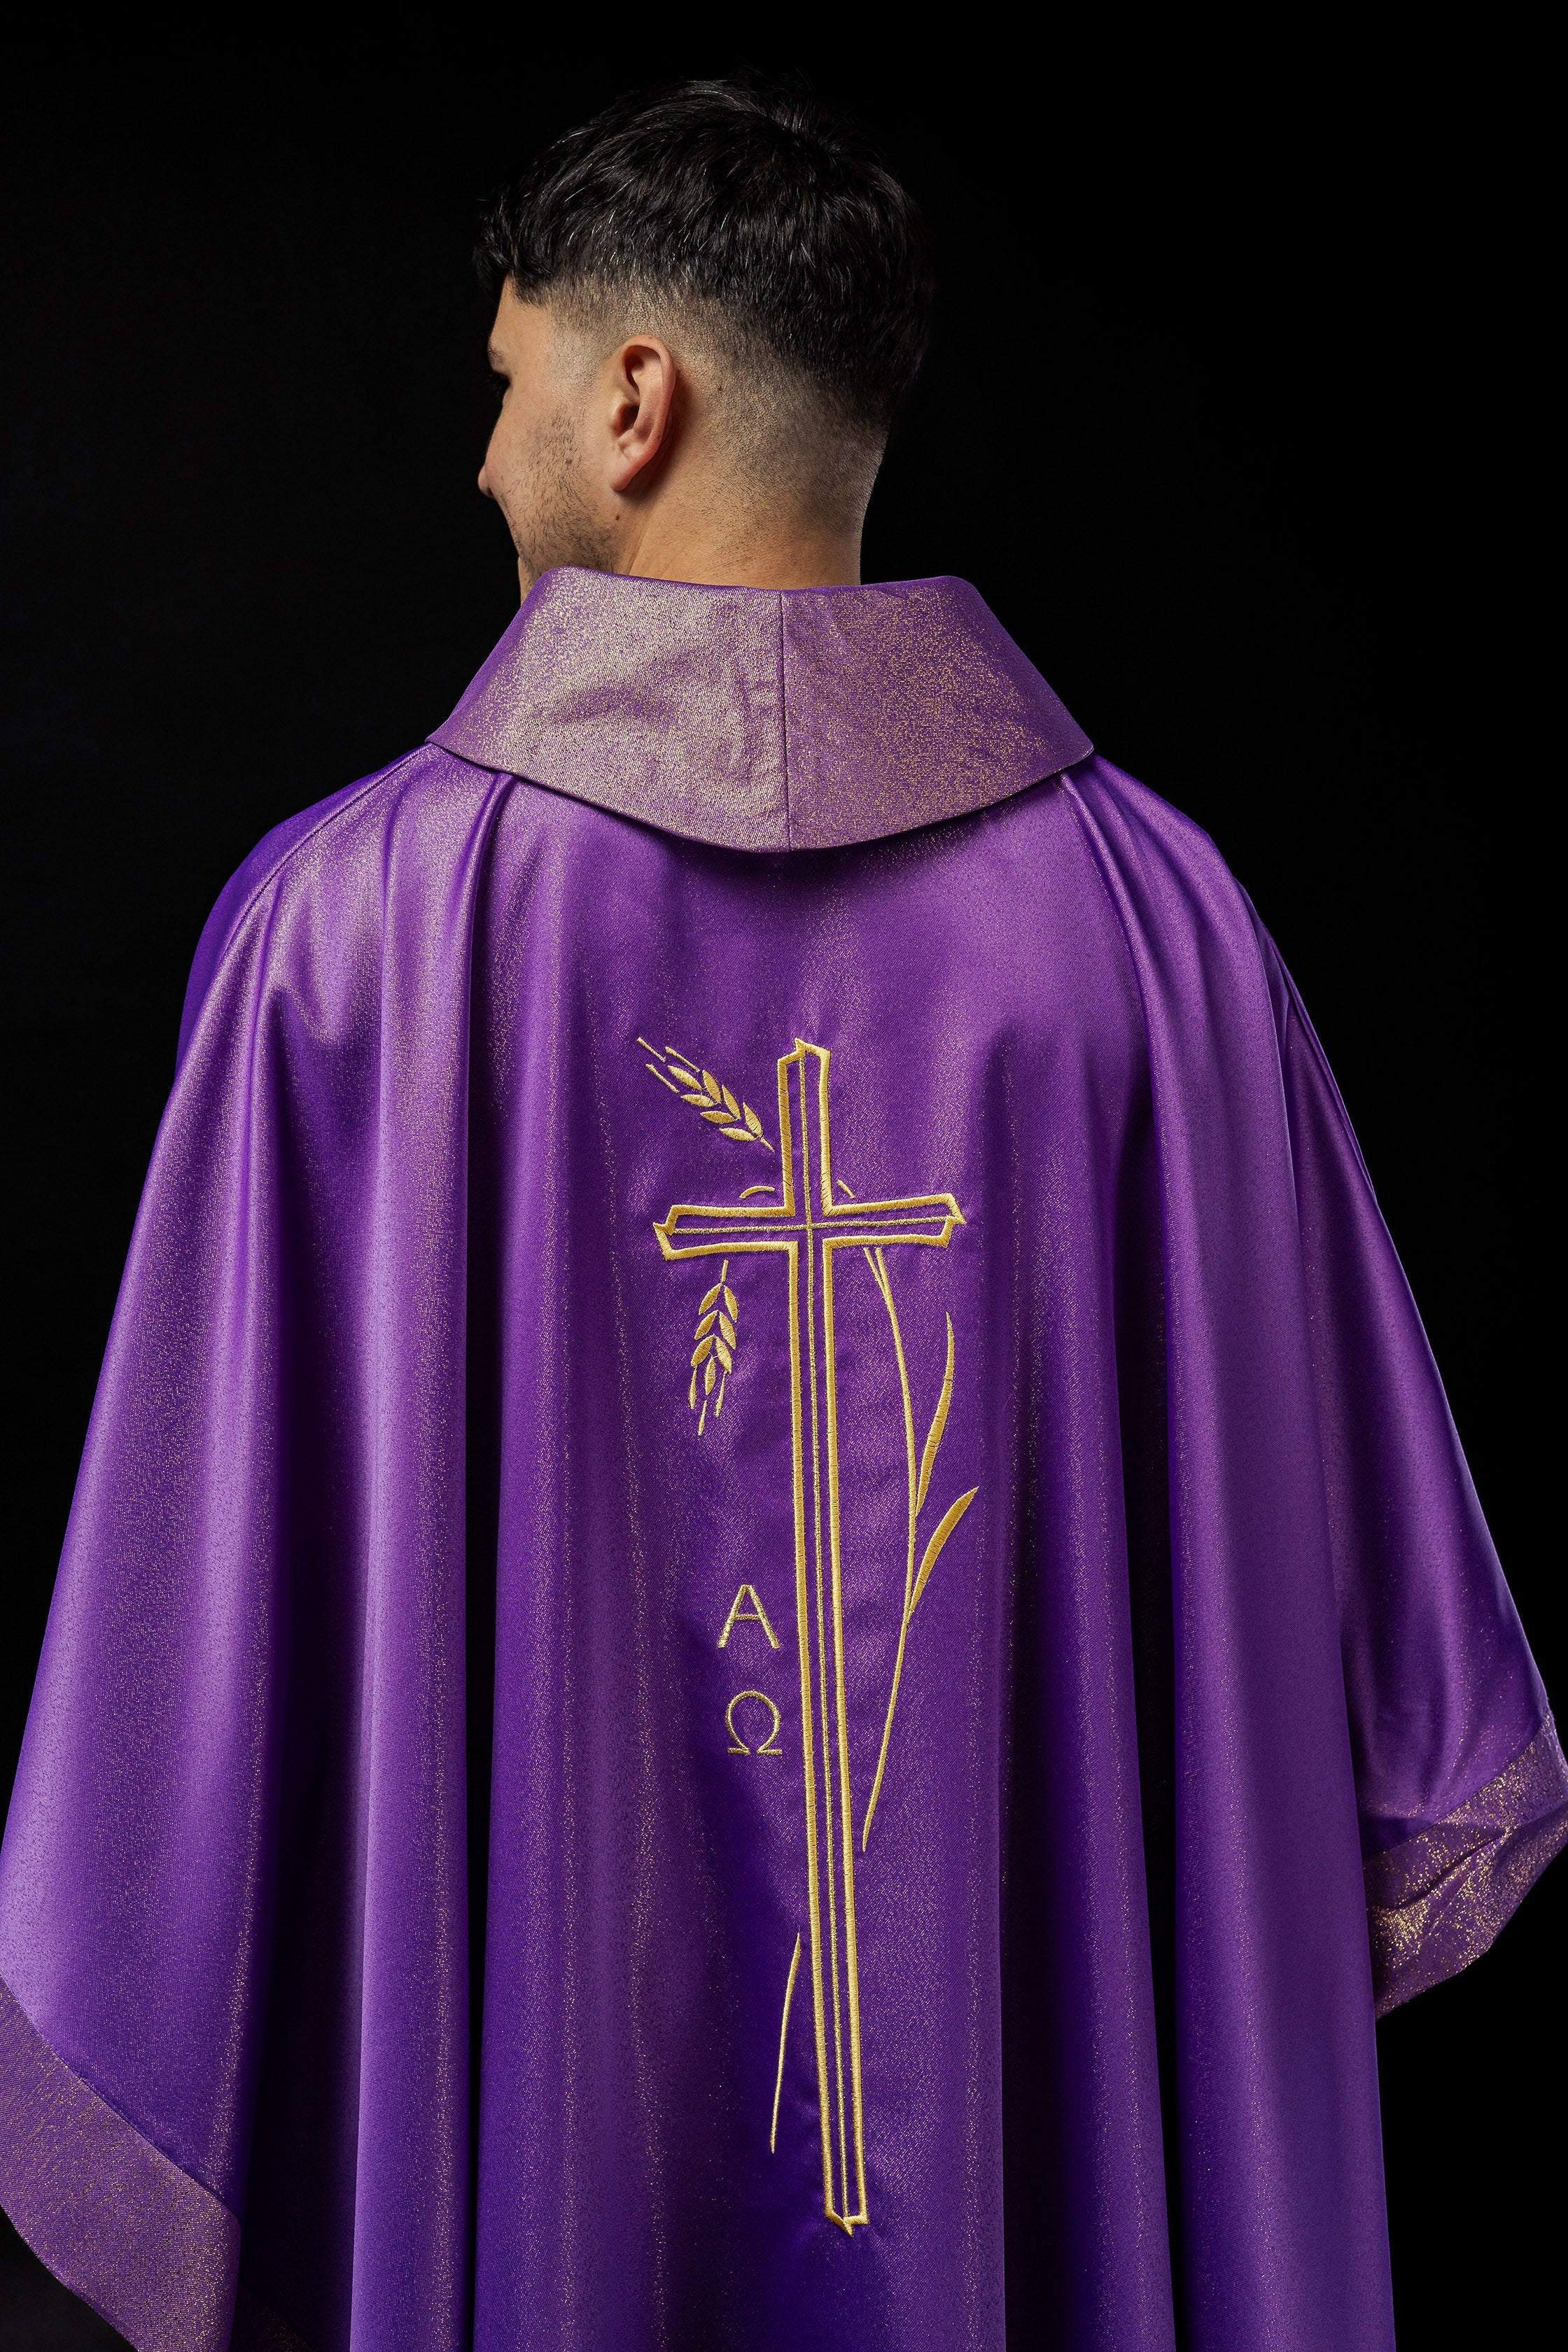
(845, 2219)
(737, 1745)
(808, 1720)
(784, 2036)
(939, 1419)
(708, 1097)
(945, 1526)
(713, 1356)
(755, 1615)
(915, 1581)
(758, 1188)
(846, 1826)
(878, 1266)
(807, 1213)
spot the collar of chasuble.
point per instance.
(764, 719)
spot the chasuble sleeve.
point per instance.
(1461, 1780)
(232, 1892)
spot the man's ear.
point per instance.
(644, 382)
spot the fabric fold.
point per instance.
(1279, 2165)
(149, 2248)
(233, 1887)
(410, 1589)
(1437, 1901)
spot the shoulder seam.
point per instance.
(370, 784)
(274, 873)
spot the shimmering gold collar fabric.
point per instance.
(762, 719)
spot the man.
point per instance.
(772, 1631)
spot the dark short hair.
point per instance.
(743, 195)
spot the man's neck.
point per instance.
(790, 561)
(712, 546)
(789, 554)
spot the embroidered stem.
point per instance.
(784, 2035)
(918, 1480)
(919, 1485)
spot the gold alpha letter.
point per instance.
(740, 1614)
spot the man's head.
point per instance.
(712, 301)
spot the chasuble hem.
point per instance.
(1439, 1901)
(114, 2219)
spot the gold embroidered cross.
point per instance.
(808, 1228)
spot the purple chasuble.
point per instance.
(773, 1633)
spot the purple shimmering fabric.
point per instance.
(847, 1362)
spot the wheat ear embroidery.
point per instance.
(702, 1090)
(713, 1357)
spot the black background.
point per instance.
(1235, 416)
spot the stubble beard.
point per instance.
(549, 512)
